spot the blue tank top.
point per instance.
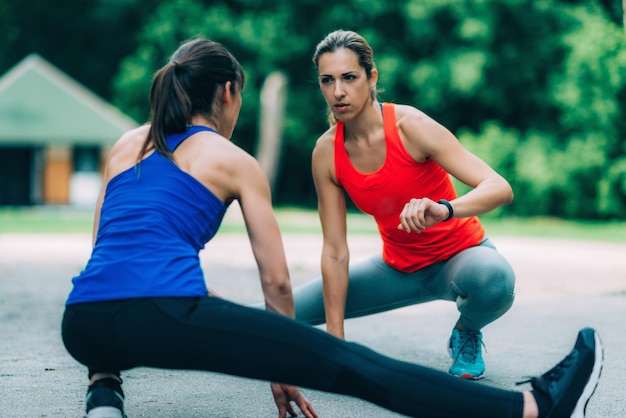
(154, 221)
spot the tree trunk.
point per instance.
(273, 100)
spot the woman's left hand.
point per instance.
(285, 394)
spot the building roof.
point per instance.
(39, 104)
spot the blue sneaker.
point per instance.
(465, 348)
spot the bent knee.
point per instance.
(491, 284)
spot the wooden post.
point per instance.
(271, 119)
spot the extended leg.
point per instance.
(216, 335)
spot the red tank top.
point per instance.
(384, 192)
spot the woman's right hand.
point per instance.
(285, 394)
(419, 214)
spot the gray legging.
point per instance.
(478, 279)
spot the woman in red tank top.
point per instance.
(396, 164)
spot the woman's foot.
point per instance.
(564, 390)
(105, 399)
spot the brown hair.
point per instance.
(186, 87)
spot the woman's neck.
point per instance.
(368, 121)
(202, 121)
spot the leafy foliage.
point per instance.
(537, 88)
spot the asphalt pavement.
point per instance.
(562, 286)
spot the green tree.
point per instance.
(536, 86)
(589, 93)
(84, 38)
(265, 36)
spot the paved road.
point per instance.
(562, 287)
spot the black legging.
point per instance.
(219, 336)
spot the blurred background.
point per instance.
(537, 88)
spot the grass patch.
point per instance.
(542, 227)
(45, 219)
(52, 219)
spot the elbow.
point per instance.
(333, 255)
(504, 192)
(278, 295)
(508, 195)
(278, 285)
(283, 288)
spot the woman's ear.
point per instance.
(227, 96)
(374, 78)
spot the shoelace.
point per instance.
(552, 375)
(474, 344)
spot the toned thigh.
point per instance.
(480, 272)
(373, 287)
(376, 287)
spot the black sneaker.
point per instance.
(569, 385)
(105, 399)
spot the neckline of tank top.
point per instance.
(203, 127)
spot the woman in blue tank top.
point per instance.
(142, 301)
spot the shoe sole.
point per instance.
(105, 412)
(465, 376)
(592, 383)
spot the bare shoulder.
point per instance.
(414, 124)
(213, 147)
(219, 164)
(206, 154)
(423, 137)
(131, 140)
(409, 118)
(125, 151)
(325, 144)
(323, 161)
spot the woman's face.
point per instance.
(344, 83)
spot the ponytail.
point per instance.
(170, 108)
(186, 87)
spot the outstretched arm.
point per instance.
(335, 255)
(268, 250)
(265, 238)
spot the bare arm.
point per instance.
(96, 217)
(425, 138)
(265, 238)
(489, 189)
(267, 246)
(335, 254)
